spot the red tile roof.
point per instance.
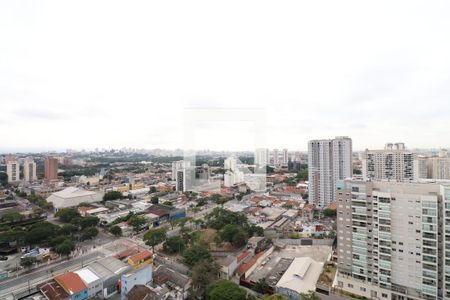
(53, 291)
(243, 256)
(127, 253)
(245, 267)
(144, 255)
(71, 282)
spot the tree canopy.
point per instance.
(226, 290)
(66, 215)
(155, 236)
(174, 244)
(112, 195)
(195, 254)
(116, 230)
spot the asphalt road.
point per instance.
(25, 280)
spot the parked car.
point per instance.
(3, 257)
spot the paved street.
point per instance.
(22, 282)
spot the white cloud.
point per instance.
(91, 74)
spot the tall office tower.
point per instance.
(328, 161)
(392, 163)
(261, 157)
(439, 168)
(296, 157)
(179, 174)
(274, 157)
(285, 157)
(13, 170)
(391, 239)
(421, 167)
(29, 170)
(51, 169)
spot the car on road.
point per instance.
(3, 257)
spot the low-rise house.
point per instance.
(141, 276)
(73, 285)
(92, 281)
(140, 259)
(141, 292)
(228, 266)
(110, 270)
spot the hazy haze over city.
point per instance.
(89, 74)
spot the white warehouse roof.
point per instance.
(87, 275)
(301, 276)
(73, 196)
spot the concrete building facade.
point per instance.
(13, 170)
(394, 162)
(29, 170)
(328, 162)
(389, 239)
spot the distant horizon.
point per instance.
(37, 150)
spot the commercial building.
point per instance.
(394, 162)
(328, 162)
(389, 239)
(92, 281)
(300, 278)
(179, 174)
(436, 167)
(110, 270)
(29, 170)
(141, 259)
(72, 196)
(13, 170)
(51, 169)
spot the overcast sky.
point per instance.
(86, 74)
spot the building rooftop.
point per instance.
(87, 275)
(302, 275)
(71, 282)
(143, 255)
(53, 291)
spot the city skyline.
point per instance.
(314, 72)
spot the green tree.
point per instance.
(155, 200)
(28, 261)
(41, 232)
(261, 286)
(137, 222)
(155, 236)
(174, 244)
(12, 217)
(57, 240)
(302, 175)
(65, 248)
(116, 230)
(3, 179)
(225, 290)
(311, 295)
(89, 233)
(195, 254)
(112, 195)
(152, 190)
(203, 274)
(275, 297)
(68, 229)
(89, 221)
(66, 215)
(327, 212)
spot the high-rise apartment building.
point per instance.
(262, 157)
(436, 167)
(51, 169)
(179, 174)
(13, 170)
(394, 162)
(328, 162)
(29, 170)
(393, 239)
(275, 157)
